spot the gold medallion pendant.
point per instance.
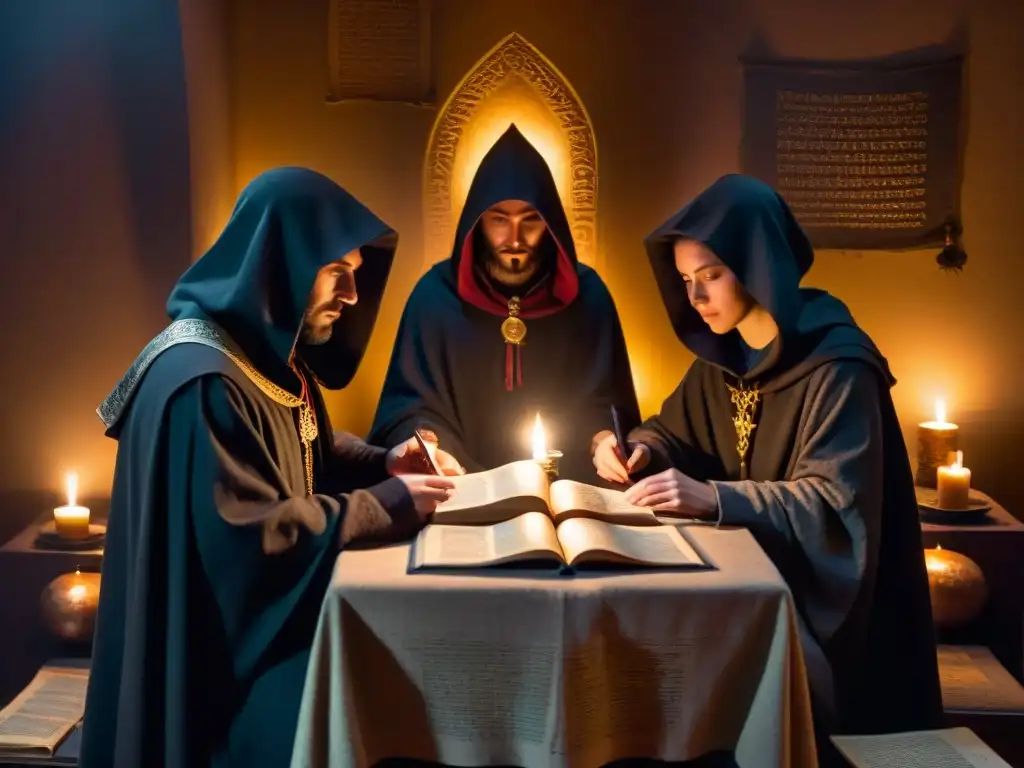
(513, 329)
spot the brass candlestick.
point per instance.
(550, 464)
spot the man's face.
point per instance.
(333, 289)
(513, 230)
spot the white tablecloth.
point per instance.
(537, 670)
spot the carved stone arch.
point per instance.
(513, 57)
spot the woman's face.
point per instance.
(713, 289)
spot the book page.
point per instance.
(466, 546)
(972, 679)
(587, 540)
(571, 499)
(43, 714)
(478, 491)
(948, 748)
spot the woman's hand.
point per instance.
(672, 491)
(610, 460)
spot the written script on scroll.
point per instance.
(865, 154)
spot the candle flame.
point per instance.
(538, 443)
(938, 546)
(940, 411)
(71, 485)
(959, 463)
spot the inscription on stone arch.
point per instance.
(514, 56)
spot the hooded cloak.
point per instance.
(452, 371)
(825, 484)
(231, 499)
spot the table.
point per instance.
(996, 544)
(505, 667)
(26, 571)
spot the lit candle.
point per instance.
(936, 442)
(72, 520)
(954, 484)
(537, 441)
(548, 459)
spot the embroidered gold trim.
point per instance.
(193, 331)
(745, 400)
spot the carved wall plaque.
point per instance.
(379, 50)
(513, 56)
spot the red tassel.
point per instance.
(508, 367)
(519, 366)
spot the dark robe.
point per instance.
(451, 370)
(220, 545)
(827, 487)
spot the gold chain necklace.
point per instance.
(745, 400)
(308, 430)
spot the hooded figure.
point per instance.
(785, 425)
(509, 327)
(231, 498)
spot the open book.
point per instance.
(532, 536)
(43, 714)
(500, 494)
(954, 747)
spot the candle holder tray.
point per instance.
(48, 538)
(928, 506)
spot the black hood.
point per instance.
(513, 169)
(255, 281)
(751, 229)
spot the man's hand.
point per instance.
(672, 491)
(393, 518)
(407, 459)
(610, 460)
(427, 492)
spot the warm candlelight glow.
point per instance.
(71, 485)
(547, 458)
(77, 591)
(934, 562)
(940, 417)
(954, 484)
(71, 520)
(537, 441)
